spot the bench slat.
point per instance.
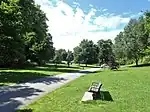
(95, 87)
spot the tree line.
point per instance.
(24, 38)
(129, 46)
(133, 44)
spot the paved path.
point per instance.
(14, 97)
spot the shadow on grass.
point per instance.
(141, 65)
(2, 84)
(24, 110)
(11, 97)
(49, 68)
(89, 66)
(22, 77)
(120, 70)
(105, 96)
(61, 66)
(52, 66)
(18, 77)
(89, 72)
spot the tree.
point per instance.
(69, 57)
(119, 48)
(23, 33)
(86, 52)
(63, 54)
(77, 55)
(57, 58)
(134, 39)
(106, 54)
(11, 45)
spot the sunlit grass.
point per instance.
(128, 87)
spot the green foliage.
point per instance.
(106, 55)
(23, 33)
(133, 41)
(57, 58)
(69, 57)
(86, 52)
(63, 54)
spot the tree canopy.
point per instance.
(86, 52)
(23, 33)
(133, 41)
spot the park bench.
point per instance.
(93, 92)
(95, 89)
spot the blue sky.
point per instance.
(70, 21)
(117, 6)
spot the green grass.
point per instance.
(13, 76)
(129, 89)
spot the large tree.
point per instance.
(119, 48)
(69, 57)
(63, 54)
(23, 33)
(57, 58)
(133, 40)
(106, 55)
(11, 44)
(86, 52)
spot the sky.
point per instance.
(71, 21)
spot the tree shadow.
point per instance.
(141, 65)
(87, 72)
(22, 77)
(48, 80)
(120, 70)
(24, 110)
(12, 97)
(90, 66)
(19, 77)
(49, 68)
(9, 99)
(60, 66)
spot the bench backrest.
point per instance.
(95, 87)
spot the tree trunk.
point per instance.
(136, 61)
(79, 64)
(55, 65)
(68, 64)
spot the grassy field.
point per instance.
(13, 76)
(129, 89)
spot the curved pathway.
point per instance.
(16, 96)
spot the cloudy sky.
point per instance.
(70, 21)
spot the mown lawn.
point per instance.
(129, 89)
(13, 76)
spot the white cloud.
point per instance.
(136, 15)
(127, 13)
(90, 5)
(70, 28)
(110, 21)
(104, 10)
(75, 3)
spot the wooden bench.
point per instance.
(93, 92)
(95, 89)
